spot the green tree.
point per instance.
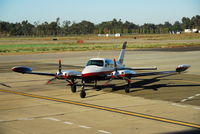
(195, 22)
(27, 28)
(177, 27)
(186, 23)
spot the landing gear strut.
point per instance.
(98, 88)
(127, 87)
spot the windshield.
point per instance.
(95, 62)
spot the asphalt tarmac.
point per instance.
(156, 104)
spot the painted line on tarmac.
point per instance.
(49, 118)
(68, 123)
(82, 126)
(25, 119)
(130, 113)
(103, 131)
(198, 108)
(189, 98)
(176, 104)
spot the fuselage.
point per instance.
(99, 68)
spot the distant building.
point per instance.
(117, 35)
(194, 30)
(109, 35)
(187, 30)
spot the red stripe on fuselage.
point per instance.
(96, 74)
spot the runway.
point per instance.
(156, 104)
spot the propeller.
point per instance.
(117, 75)
(56, 75)
(49, 81)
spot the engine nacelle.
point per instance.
(123, 72)
(67, 74)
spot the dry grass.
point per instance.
(69, 43)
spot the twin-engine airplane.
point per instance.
(98, 69)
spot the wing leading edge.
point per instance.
(179, 69)
(28, 70)
(61, 75)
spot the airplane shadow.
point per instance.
(142, 84)
(139, 86)
(5, 85)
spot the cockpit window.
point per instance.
(95, 62)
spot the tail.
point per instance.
(121, 55)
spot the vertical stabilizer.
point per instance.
(121, 55)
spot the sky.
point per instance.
(97, 11)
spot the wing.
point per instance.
(179, 69)
(28, 70)
(139, 68)
(60, 75)
(153, 73)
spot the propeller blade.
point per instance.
(115, 68)
(115, 65)
(127, 79)
(49, 81)
(107, 82)
(60, 67)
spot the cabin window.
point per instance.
(95, 62)
(109, 63)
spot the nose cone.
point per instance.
(91, 71)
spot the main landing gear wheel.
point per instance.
(82, 94)
(73, 88)
(127, 89)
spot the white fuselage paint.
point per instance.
(94, 70)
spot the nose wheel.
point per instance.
(83, 93)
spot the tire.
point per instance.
(127, 89)
(82, 94)
(73, 88)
